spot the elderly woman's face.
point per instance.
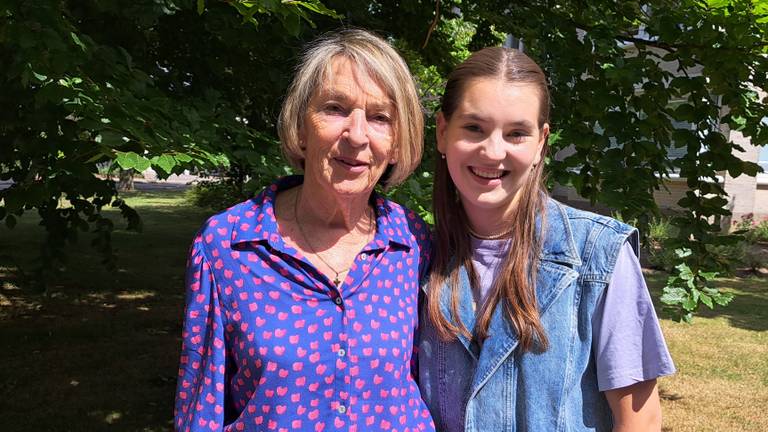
(348, 132)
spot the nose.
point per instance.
(357, 128)
(493, 147)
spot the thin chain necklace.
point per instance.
(338, 273)
(496, 236)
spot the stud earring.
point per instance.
(442, 156)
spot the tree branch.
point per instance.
(433, 25)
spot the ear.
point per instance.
(302, 139)
(393, 155)
(542, 143)
(442, 126)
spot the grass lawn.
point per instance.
(99, 350)
(722, 362)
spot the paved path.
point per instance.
(174, 182)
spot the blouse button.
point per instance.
(341, 409)
(337, 300)
(341, 352)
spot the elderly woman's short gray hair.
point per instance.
(383, 64)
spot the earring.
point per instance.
(442, 156)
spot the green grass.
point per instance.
(722, 362)
(99, 351)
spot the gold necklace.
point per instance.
(496, 236)
(336, 279)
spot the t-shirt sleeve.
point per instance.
(628, 344)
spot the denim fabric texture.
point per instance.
(496, 388)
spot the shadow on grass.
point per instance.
(79, 360)
(99, 349)
(748, 310)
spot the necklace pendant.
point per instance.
(336, 281)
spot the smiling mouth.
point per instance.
(350, 162)
(490, 174)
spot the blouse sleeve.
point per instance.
(628, 344)
(200, 395)
(425, 239)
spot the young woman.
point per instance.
(537, 314)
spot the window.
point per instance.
(762, 160)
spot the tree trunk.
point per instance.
(125, 182)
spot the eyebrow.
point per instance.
(521, 124)
(333, 94)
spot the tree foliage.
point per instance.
(136, 83)
(625, 76)
(197, 84)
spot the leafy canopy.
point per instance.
(177, 85)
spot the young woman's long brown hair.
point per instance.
(515, 285)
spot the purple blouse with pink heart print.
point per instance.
(269, 343)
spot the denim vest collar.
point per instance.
(557, 259)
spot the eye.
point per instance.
(517, 136)
(333, 108)
(383, 118)
(474, 128)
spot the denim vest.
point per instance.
(500, 389)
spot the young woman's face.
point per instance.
(491, 143)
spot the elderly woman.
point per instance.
(302, 302)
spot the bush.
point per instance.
(759, 232)
(752, 230)
(216, 195)
(729, 257)
(659, 256)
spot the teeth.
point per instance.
(487, 173)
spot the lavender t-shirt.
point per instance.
(627, 342)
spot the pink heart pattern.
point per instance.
(270, 344)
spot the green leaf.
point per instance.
(142, 164)
(673, 295)
(111, 138)
(127, 160)
(292, 24)
(165, 162)
(722, 298)
(77, 41)
(690, 304)
(316, 6)
(183, 157)
(200, 6)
